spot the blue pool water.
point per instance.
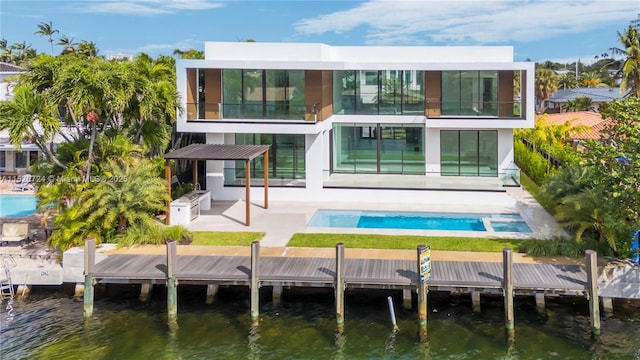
(417, 220)
(17, 205)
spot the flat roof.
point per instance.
(218, 152)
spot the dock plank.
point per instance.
(370, 272)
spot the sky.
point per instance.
(556, 30)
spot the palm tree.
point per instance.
(580, 103)
(630, 71)
(30, 116)
(567, 81)
(189, 54)
(47, 30)
(88, 49)
(584, 211)
(68, 46)
(546, 84)
(6, 55)
(592, 79)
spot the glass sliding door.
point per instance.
(449, 153)
(366, 148)
(469, 153)
(392, 148)
(378, 148)
(487, 153)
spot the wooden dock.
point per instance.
(408, 275)
(551, 279)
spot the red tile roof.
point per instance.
(593, 122)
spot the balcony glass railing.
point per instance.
(203, 111)
(470, 109)
(210, 111)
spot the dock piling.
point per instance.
(145, 290)
(592, 288)
(422, 296)
(172, 283)
(255, 282)
(276, 295)
(540, 302)
(406, 297)
(507, 285)
(339, 285)
(392, 313)
(212, 290)
(475, 301)
(89, 267)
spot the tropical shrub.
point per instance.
(153, 234)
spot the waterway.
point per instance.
(50, 325)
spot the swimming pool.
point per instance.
(414, 220)
(17, 205)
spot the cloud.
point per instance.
(469, 22)
(161, 48)
(147, 7)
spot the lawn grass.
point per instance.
(367, 241)
(225, 238)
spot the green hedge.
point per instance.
(532, 162)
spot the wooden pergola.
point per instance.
(197, 152)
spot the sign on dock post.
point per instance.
(89, 267)
(424, 272)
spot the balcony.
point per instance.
(228, 111)
(476, 109)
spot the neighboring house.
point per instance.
(6, 85)
(598, 96)
(592, 124)
(327, 111)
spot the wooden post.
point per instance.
(167, 176)
(89, 267)
(23, 291)
(172, 284)
(276, 295)
(194, 174)
(266, 179)
(339, 287)
(255, 282)
(422, 297)
(212, 289)
(475, 301)
(406, 297)
(247, 192)
(592, 288)
(507, 286)
(145, 290)
(540, 302)
(607, 306)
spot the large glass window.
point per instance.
(469, 152)
(286, 156)
(263, 94)
(378, 148)
(470, 93)
(369, 92)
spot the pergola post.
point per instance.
(266, 179)
(195, 174)
(167, 175)
(247, 191)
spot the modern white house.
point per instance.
(358, 117)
